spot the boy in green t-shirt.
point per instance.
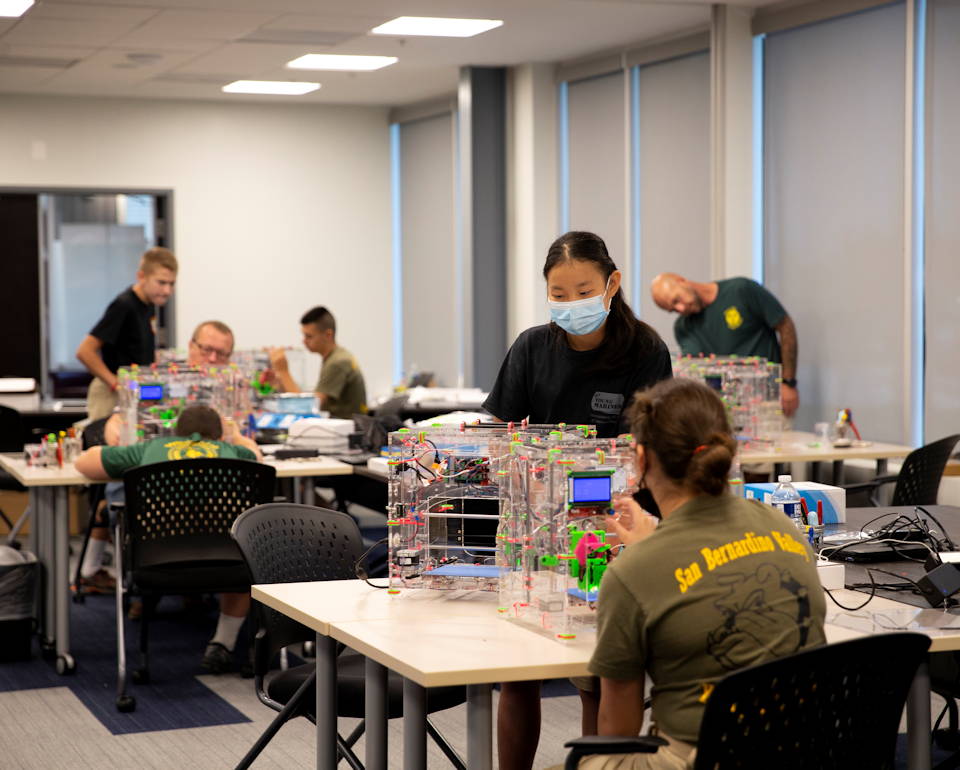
(199, 434)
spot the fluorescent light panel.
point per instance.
(436, 27)
(345, 63)
(11, 9)
(280, 87)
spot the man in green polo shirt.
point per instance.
(735, 316)
(199, 434)
(340, 388)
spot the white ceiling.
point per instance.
(176, 49)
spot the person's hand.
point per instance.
(631, 523)
(789, 400)
(278, 360)
(230, 429)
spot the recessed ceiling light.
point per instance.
(329, 61)
(13, 8)
(436, 27)
(282, 87)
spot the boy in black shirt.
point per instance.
(126, 333)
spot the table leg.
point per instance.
(414, 726)
(480, 727)
(297, 490)
(918, 721)
(881, 466)
(838, 473)
(60, 578)
(813, 471)
(43, 521)
(326, 703)
(375, 715)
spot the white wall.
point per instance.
(276, 207)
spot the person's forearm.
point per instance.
(788, 348)
(621, 707)
(89, 356)
(249, 443)
(90, 464)
(287, 382)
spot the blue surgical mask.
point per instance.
(581, 316)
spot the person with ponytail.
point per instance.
(582, 367)
(717, 584)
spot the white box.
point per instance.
(834, 498)
(831, 575)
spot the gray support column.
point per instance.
(479, 726)
(326, 703)
(482, 229)
(60, 578)
(375, 715)
(414, 726)
(918, 721)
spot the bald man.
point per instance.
(735, 316)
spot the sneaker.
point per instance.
(100, 582)
(135, 612)
(217, 659)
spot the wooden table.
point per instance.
(431, 638)
(797, 446)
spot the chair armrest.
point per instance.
(873, 483)
(589, 745)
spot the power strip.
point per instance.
(831, 575)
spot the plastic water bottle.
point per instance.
(787, 499)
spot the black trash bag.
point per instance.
(374, 429)
(18, 602)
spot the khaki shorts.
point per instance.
(675, 756)
(101, 401)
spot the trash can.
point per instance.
(18, 594)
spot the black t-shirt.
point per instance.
(126, 331)
(544, 379)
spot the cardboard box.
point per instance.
(834, 498)
(14, 503)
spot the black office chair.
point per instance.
(919, 477)
(288, 543)
(11, 440)
(173, 537)
(833, 707)
(92, 435)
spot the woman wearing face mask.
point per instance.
(581, 368)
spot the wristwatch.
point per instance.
(790, 383)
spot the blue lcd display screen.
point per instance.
(151, 392)
(590, 489)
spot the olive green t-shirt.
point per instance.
(342, 382)
(741, 321)
(721, 584)
(117, 459)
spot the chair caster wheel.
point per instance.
(66, 664)
(141, 676)
(126, 704)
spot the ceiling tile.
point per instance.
(53, 32)
(202, 25)
(244, 58)
(20, 77)
(46, 51)
(90, 12)
(112, 67)
(359, 25)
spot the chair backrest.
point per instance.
(921, 472)
(289, 543)
(182, 510)
(11, 430)
(836, 706)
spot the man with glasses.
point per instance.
(210, 345)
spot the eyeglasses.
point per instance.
(207, 350)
